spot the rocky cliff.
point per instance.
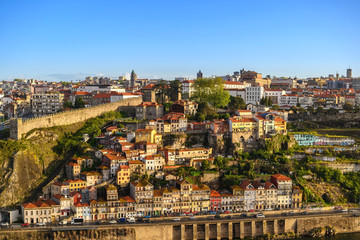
(26, 171)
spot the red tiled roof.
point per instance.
(281, 177)
(78, 93)
(214, 193)
(128, 199)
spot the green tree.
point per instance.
(162, 86)
(319, 110)
(294, 109)
(210, 90)
(236, 103)
(262, 101)
(348, 107)
(200, 117)
(67, 104)
(79, 103)
(275, 107)
(205, 165)
(332, 111)
(310, 109)
(174, 90)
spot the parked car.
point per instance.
(304, 213)
(251, 210)
(292, 212)
(227, 212)
(285, 214)
(217, 216)
(130, 220)
(146, 220)
(176, 219)
(122, 220)
(192, 218)
(211, 217)
(40, 224)
(63, 222)
(228, 216)
(4, 224)
(113, 222)
(25, 225)
(260, 215)
(344, 210)
(244, 215)
(212, 213)
(140, 219)
(182, 215)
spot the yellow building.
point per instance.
(148, 135)
(185, 195)
(242, 124)
(296, 197)
(200, 198)
(176, 199)
(75, 185)
(123, 176)
(280, 125)
(158, 202)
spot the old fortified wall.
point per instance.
(196, 230)
(18, 127)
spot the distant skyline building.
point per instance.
(133, 78)
(349, 73)
(199, 75)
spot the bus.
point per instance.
(77, 221)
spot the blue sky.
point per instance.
(67, 40)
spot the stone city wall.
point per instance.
(18, 127)
(219, 229)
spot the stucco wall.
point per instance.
(18, 127)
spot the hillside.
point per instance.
(30, 163)
(25, 163)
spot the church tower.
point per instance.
(133, 78)
(199, 75)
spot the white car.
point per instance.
(260, 215)
(176, 219)
(40, 224)
(4, 224)
(192, 218)
(130, 220)
(113, 221)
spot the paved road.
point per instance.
(201, 218)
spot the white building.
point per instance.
(254, 94)
(288, 100)
(187, 87)
(274, 95)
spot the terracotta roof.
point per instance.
(78, 93)
(150, 86)
(157, 193)
(280, 177)
(144, 130)
(135, 162)
(128, 199)
(149, 104)
(188, 81)
(232, 83)
(73, 164)
(214, 193)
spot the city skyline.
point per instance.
(68, 41)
